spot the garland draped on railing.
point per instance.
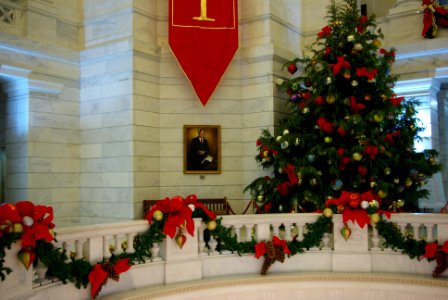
(167, 217)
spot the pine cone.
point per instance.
(270, 250)
(266, 265)
(109, 268)
(442, 263)
(279, 254)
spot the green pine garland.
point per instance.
(68, 269)
(395, 240)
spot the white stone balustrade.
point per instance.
(362, 252)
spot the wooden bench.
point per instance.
(219, 206)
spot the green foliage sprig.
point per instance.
(394, 239)
(6, 242)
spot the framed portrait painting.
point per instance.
(202, 149)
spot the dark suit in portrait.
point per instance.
(199, 152)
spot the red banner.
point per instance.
(203, 35)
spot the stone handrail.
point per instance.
(362, 252)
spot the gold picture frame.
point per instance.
(202, 156)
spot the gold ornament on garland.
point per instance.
(158, 215)
(180, 238)
(346, 231)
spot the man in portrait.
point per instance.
(199, 152)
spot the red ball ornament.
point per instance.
(354, 200)
(292, 68)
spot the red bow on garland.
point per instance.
(34, 222)
(433, 15)
(261, 249)
(179, 213)
(102, 271)
(349, 203)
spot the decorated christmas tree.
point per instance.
(349, 139)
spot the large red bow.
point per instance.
(98, 276)
(341, 64)
(369, 74)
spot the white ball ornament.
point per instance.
(364, 204)
(27, 221)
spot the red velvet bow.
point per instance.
(98, 276)
(431, 249)
(178, 215)
(193, 199)
(362, 21)
(292, 174)
(339, 65)
(356, 215)
(36, 221)
(324, 125)
(325, 31)
(261, 249)
(363, 72)
(372, 151)
(355, 106)
(390, 136)
(396, 100)
(282, 244)
(283, 188)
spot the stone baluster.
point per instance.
(106, 251)
(248, 232)
(67, 246)
(415, 230)
(430, 232)
(155, 250)
(212, 244)
(375, 239)
(326, 241)
(276, 229)
(201, 240)
(130, 242)
(78, 249)
(402, 226)
(237, 231)
(288, 236)
(117, 244)
(300, 229)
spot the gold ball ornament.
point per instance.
(212, 225)
(357, 156)
(400, 203)
(260, 198)
(358, 47)
(387, 171)
(18, 227)
(375, 218)
(350, 38)
(382, 194)
(378, 118)
(266, 153)
(328, 212)
(376, 43)
(158, 215)
(328, 139)
(331, 99)
(408, 182)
